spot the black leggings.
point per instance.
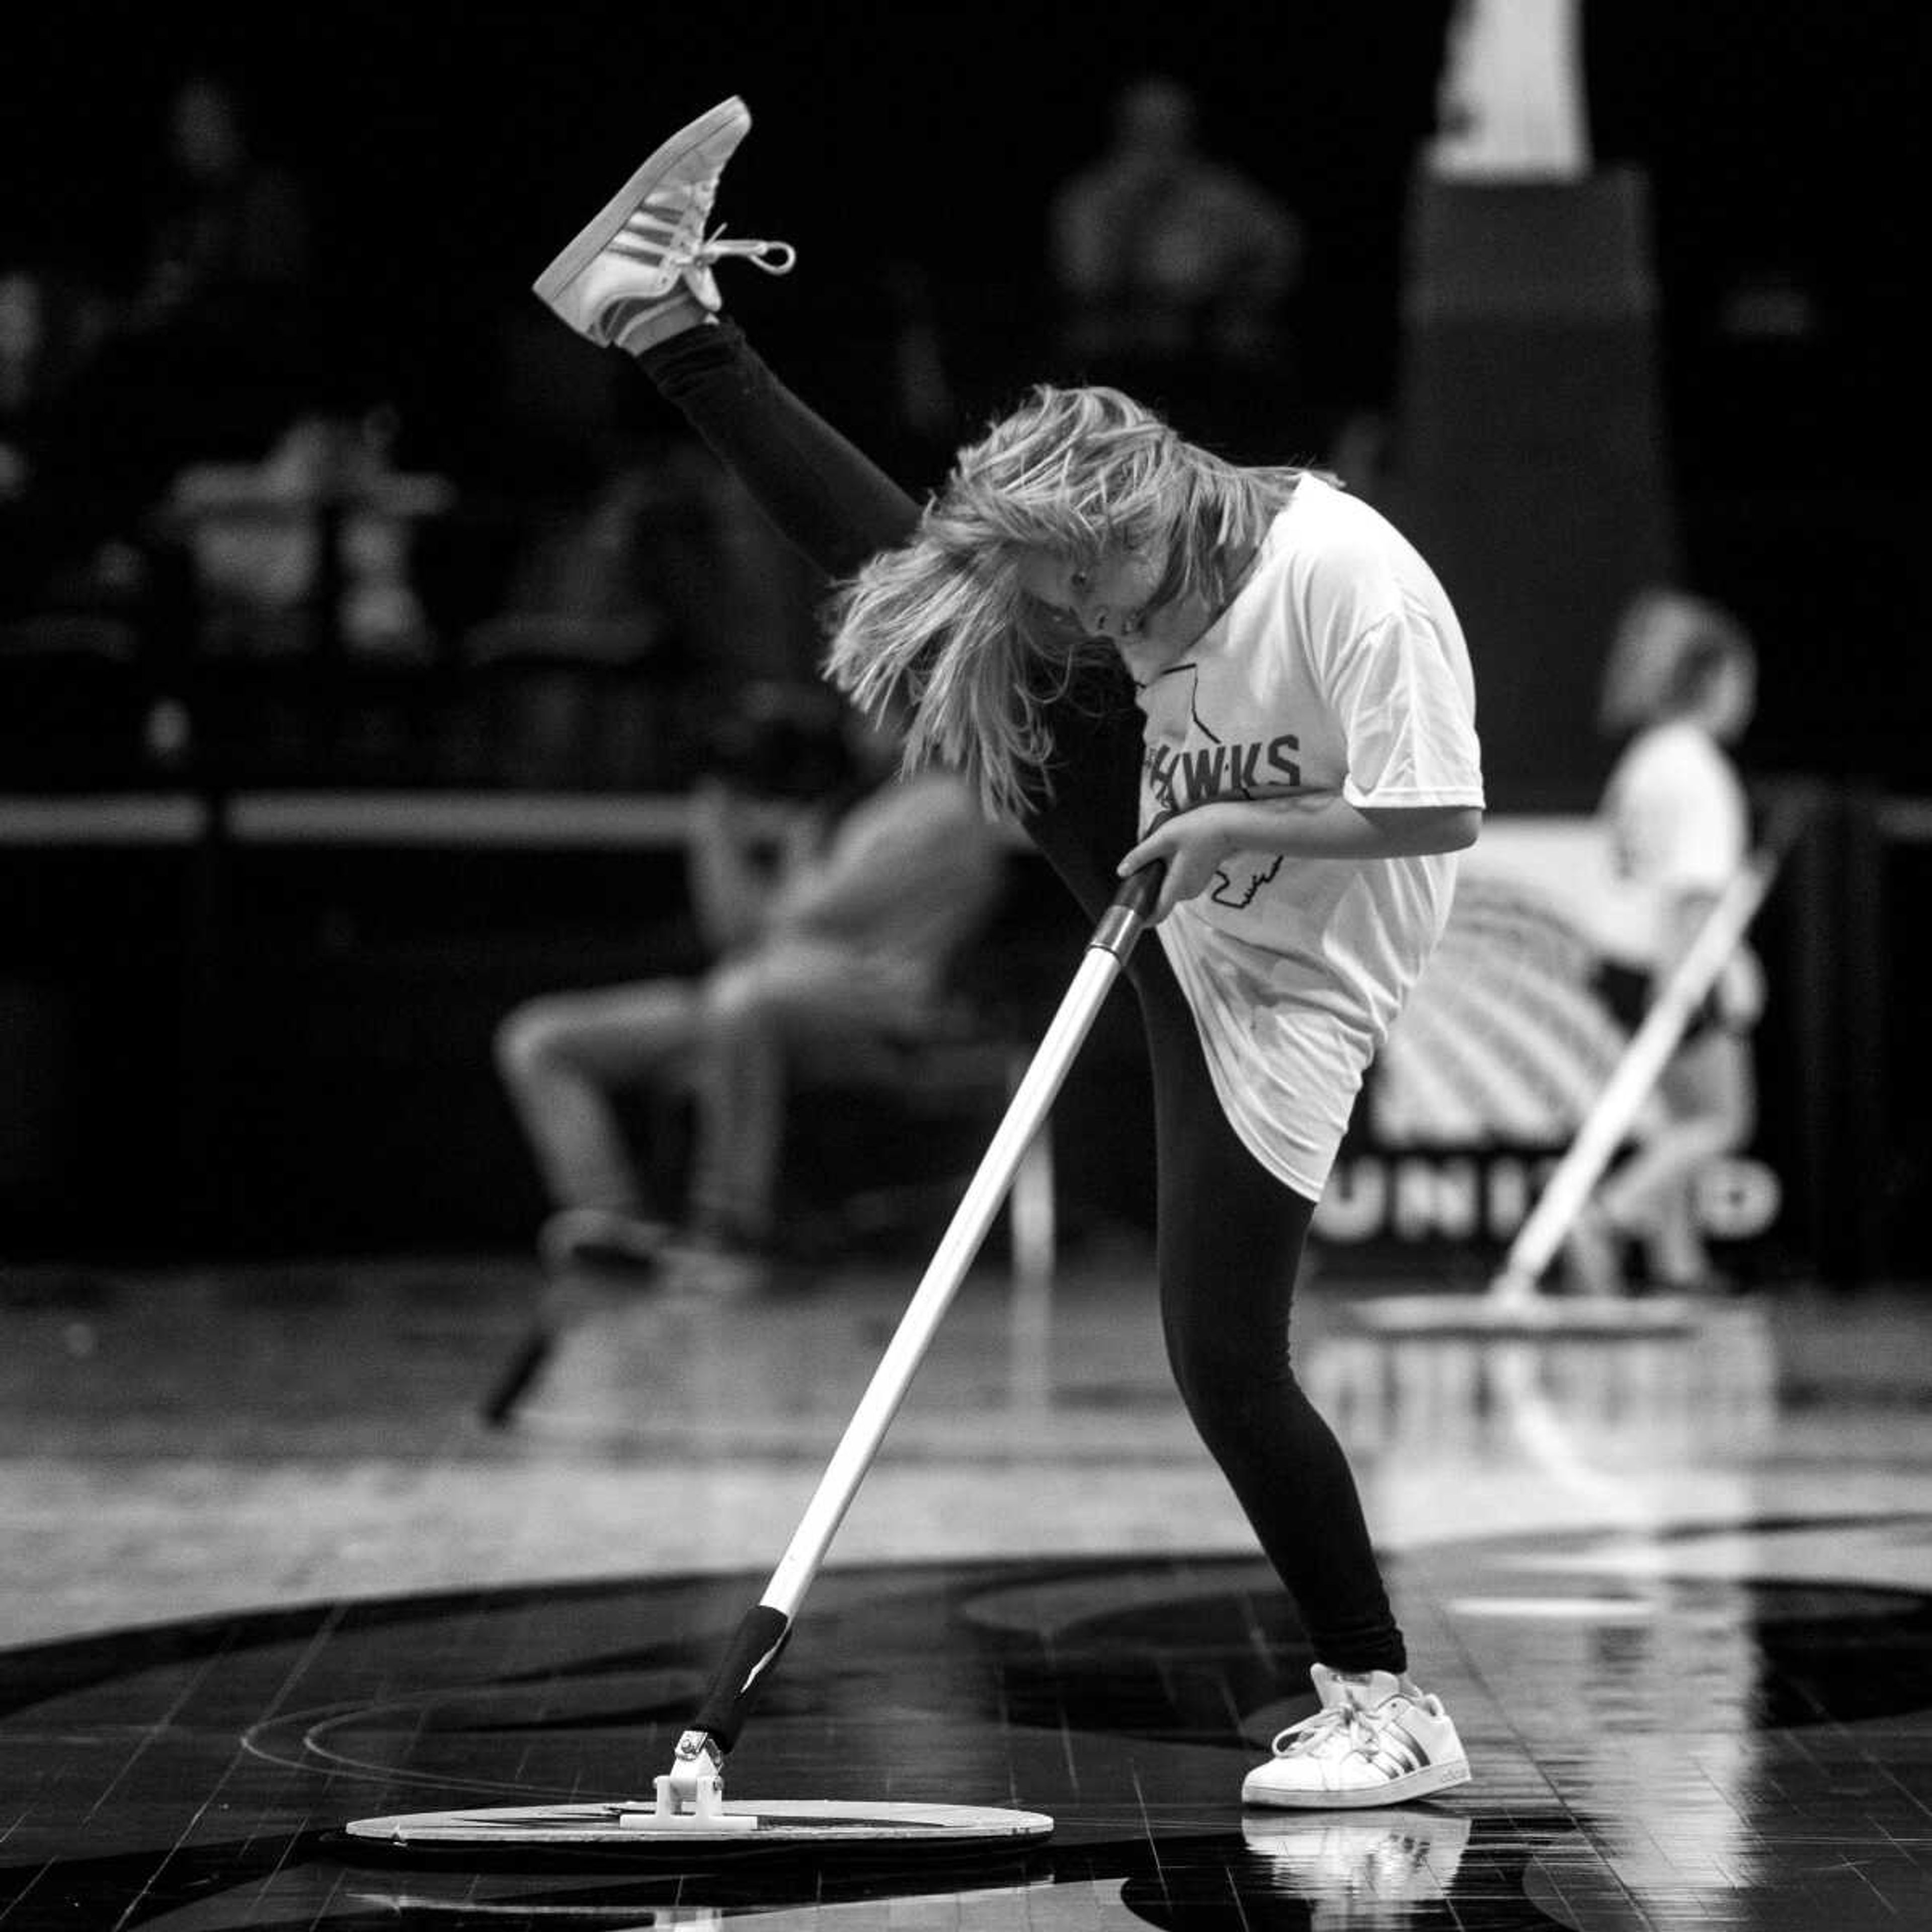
(1228, 1235)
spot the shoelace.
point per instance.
(690, 247)
(776, 258)
(1312, 1731)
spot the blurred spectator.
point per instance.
(230, 237)
(23, 334)
(1174, 275)
(631, 607)
(1680, 680)
(589, 567)
(258, 534)
(570, 684)
(832, 929)
(208, 356)
(218, 342)
(918, 433)
(48, 329)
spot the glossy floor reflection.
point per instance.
(270, 1573)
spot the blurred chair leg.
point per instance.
(1030, 1218)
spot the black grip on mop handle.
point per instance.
(760, 1636)
(1127, 911)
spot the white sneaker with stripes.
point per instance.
(641, 270)
(1376, 1740)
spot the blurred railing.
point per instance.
(264, 1016)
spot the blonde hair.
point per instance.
(1666, 646)
(938, 629)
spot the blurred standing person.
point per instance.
(1681, 680)
(1174, 275)
(210, 357)
(230, 234)
(227, 281)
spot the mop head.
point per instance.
(646, 1829)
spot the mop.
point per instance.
(1513, 1302)
(1514, 1362)
(689, 1806)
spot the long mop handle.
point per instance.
(762, 1635)
(1631, 1080)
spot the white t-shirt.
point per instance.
(1678, 822)
(1339, 666)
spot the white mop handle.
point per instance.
(1042, 1082)
(1634, 1076)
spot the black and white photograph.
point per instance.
(961, 968)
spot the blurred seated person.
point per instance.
(1174, 273)
(838, 943)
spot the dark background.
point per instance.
(446, 150)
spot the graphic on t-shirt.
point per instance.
(1227, 893)
(1194, 774)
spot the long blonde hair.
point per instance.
(938, 630)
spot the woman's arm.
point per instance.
(731, 891)
(1303, 824)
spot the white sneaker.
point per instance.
(641, 272)
(1376, 1740)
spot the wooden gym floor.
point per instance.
(267, 1571)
